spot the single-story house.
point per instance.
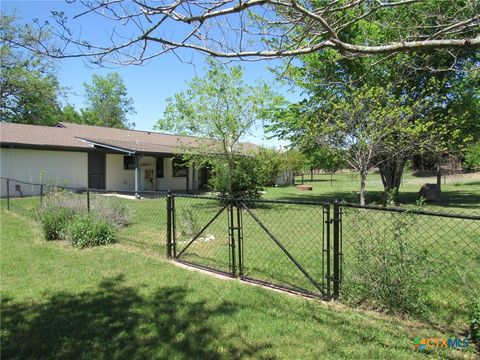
(83, 156)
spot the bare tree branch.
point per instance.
(260, 29)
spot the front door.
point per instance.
(148, 178)
(96, 170)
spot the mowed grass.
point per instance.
(452, 245)
(114, 302)
(461, 193)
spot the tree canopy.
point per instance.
(29, 87)
(222, 107)
(107, 101)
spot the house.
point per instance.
(83, 156)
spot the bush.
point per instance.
(387, 271)
(87, 230)
(111, 209)
(245, 181)
(474, 331)
(54, 223)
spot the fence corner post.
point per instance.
(8, 194)
(336, 249)
(169, 224)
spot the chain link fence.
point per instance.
(411, 261)
(415, 262)
(139, 218)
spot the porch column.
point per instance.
(194, 177)
(137, 176)
(188, 180)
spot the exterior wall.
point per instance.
(61, 167)
(119, 179)
(285, 178)
(71, 169)
(168, 182)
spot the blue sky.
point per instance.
(149, 85)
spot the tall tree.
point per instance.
(108, 103)
(221, 107)
(28, 85)
(444, 80)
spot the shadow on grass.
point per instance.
(455, 199)
(116, 322)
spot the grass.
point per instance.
(118, 303)
(461, 193)
(452, 245)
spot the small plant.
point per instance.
(474, 331)
(87, 230)
(54, 223)
(189, 225)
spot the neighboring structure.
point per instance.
(83, 156)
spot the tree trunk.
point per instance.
(439, 177)
(363, 178)
(391, 172)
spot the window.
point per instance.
(179, 167)
(128, 162)
(159, 167)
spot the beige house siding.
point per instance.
(61, 167)
(119, 179)
(71, 168)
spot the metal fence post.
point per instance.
(88, 200)
(169, 225)
(174, 231)
(327, 249)
(41, 194)
(8, 194)
(232, 229)
(336, 250)
(240, 240)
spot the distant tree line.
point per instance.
(31, 92)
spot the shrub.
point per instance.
(474, 331)
(54, 223)
(87, 230)
(386, 270)
(244, 181)
(111, 209)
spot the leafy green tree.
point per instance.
(29, 87)
(108, 103)
(472, 157)
(221, 107)
(446, 81)
(271, 165)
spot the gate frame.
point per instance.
(236, 243)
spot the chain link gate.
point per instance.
(254, 241)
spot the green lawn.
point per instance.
(451, 246)
(461, 193)
(115, 302)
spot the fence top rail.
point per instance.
(250, 200)
(412, 211)
(92, 190)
